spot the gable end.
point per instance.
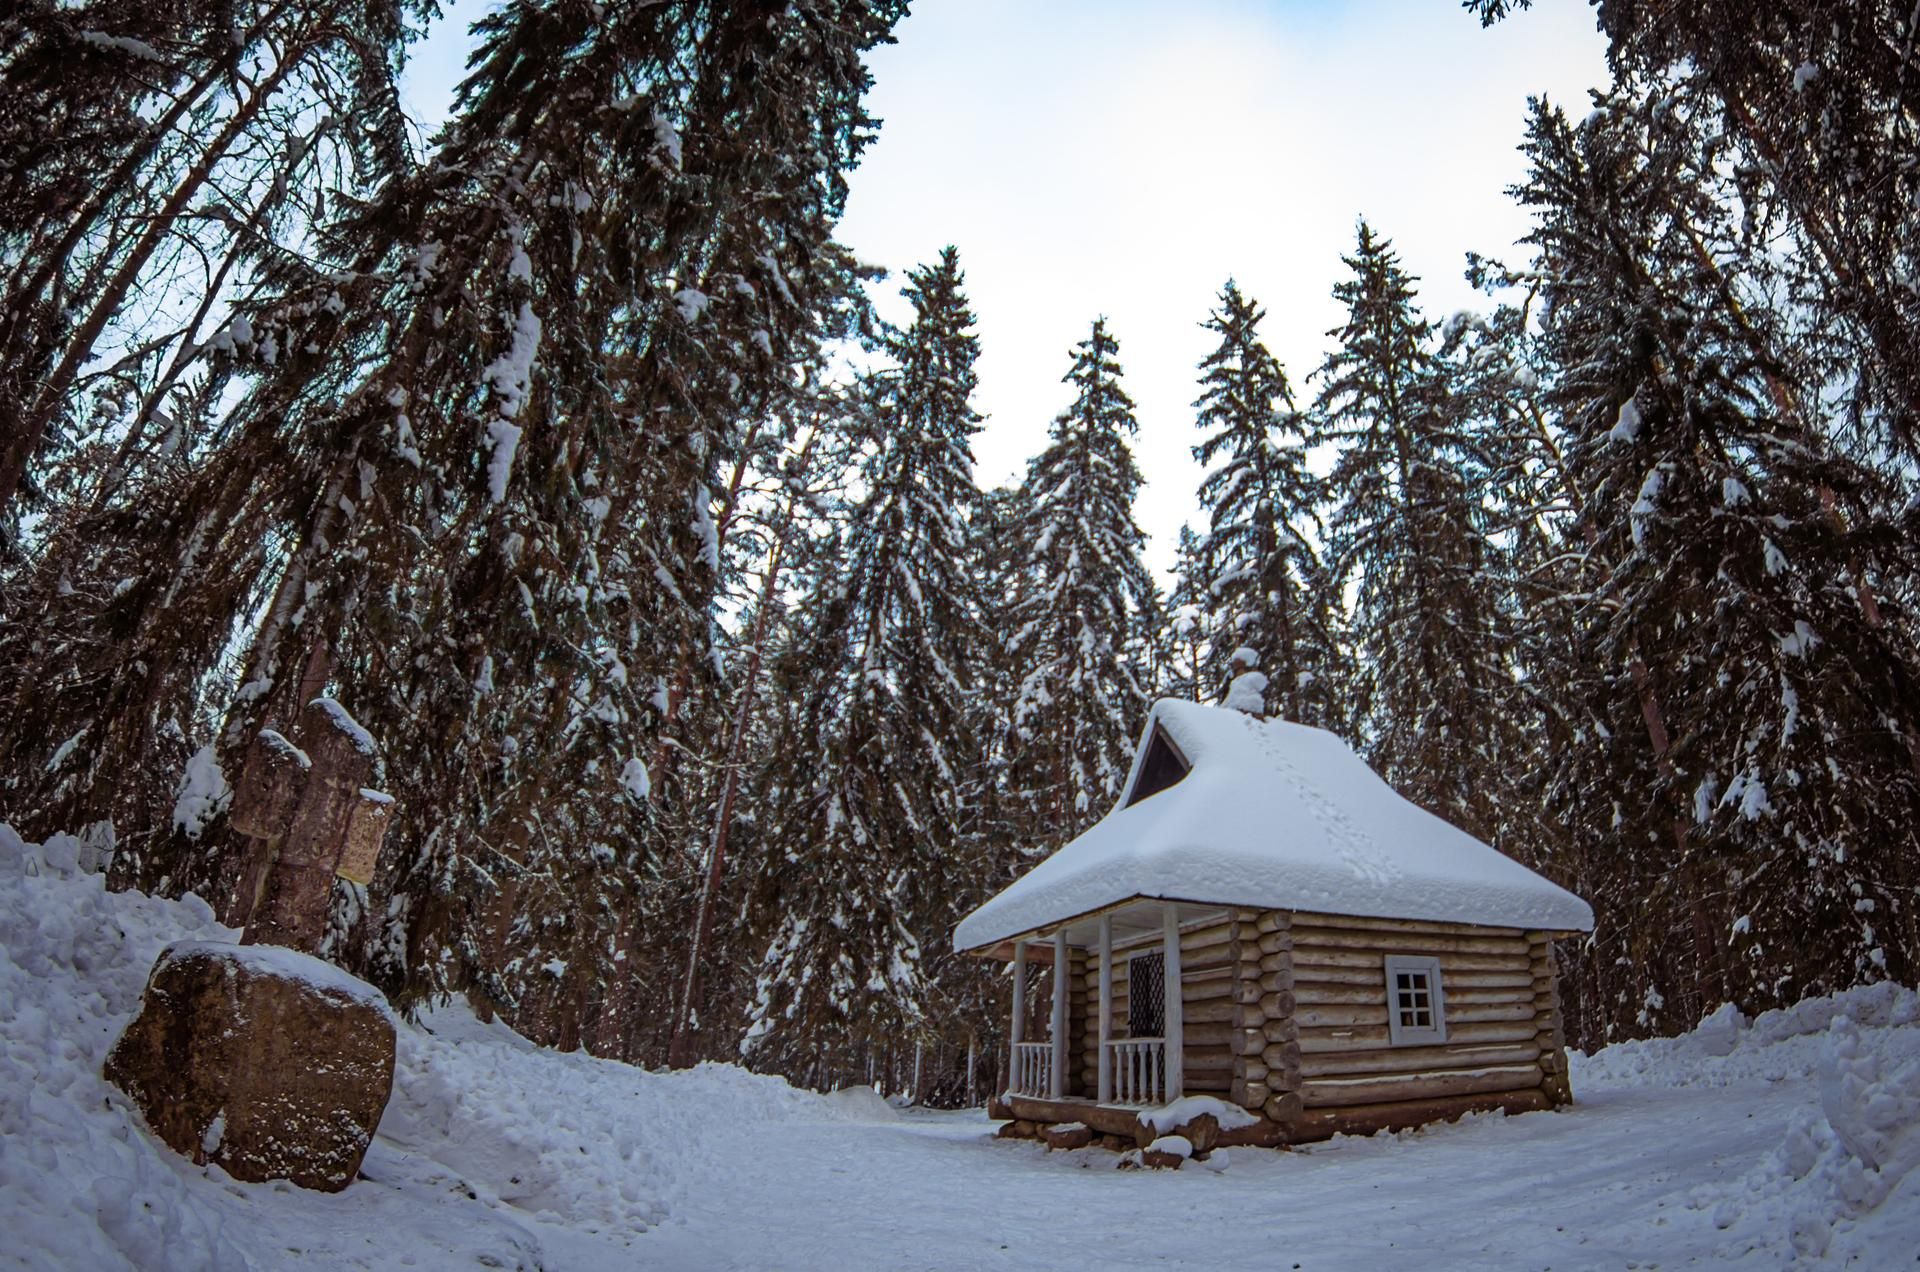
(1162, 766)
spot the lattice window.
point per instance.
(1416, 1007)
(1147, 995)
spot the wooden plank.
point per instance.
(1220, 1010)
(1305, 938)
(1476, 1013)
(1374, 1013)
(1305, 959)
(1304, 918)
(1339, 1092)
(1208, 1059)
(1320, 994)
(1370, 1037)
(1209, 1035)
(1417, 1059)
(1453, 981)
(1207, 939)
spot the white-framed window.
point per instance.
(1416, 1008)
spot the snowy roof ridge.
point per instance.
(1274, 815)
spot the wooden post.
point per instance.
(1018, 1031)
(1176, 1061)
(1057, 1079)
(1106, 1008)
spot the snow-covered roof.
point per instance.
(1273, 815)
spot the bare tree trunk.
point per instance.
(680, 1048)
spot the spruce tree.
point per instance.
(1267, 588)
(1082, 594)
(1405, 525)
(874, 781)
(1733, 610)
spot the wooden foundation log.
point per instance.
(1368, 1119)
(1249, 1095)
(1381, 1089)
(1282, 1107)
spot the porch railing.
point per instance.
(1139, 1070)
(1033, 1069)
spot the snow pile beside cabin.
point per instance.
(1279, 816)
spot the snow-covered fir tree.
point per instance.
(1265, 585)
(1734, 623)
(874, 785)
(1404, 525)
(1082, 596)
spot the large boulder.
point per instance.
(264, 1060)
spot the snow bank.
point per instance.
(584, 1142)
(80, 1184)
(1726, 1049)
(491, 1148)
(862, 1104)
(1854, 1152)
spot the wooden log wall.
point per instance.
(1286, 1015)
(1209, 965)
(1501, 1020)
(1548, 1030)
(1268, 1076)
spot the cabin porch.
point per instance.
(1140, 1054)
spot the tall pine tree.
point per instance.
(1405, 525)
(1266, 587)
(874, 786)
(1082, 596)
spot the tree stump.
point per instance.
(308, 799)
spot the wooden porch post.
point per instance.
(1176, 1059)
(1106, 1007)
(1057, 1080)
(1018, 1032)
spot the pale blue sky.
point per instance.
(1125, 157)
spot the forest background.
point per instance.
(576, 455)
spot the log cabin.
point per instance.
(1262, 919)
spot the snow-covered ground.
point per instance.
(1790, 1140)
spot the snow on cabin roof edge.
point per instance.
(1273, 815)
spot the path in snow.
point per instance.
(1793, 1140)
(1605, 1185)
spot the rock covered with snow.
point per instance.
(269, 1062)
(1274, 815)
